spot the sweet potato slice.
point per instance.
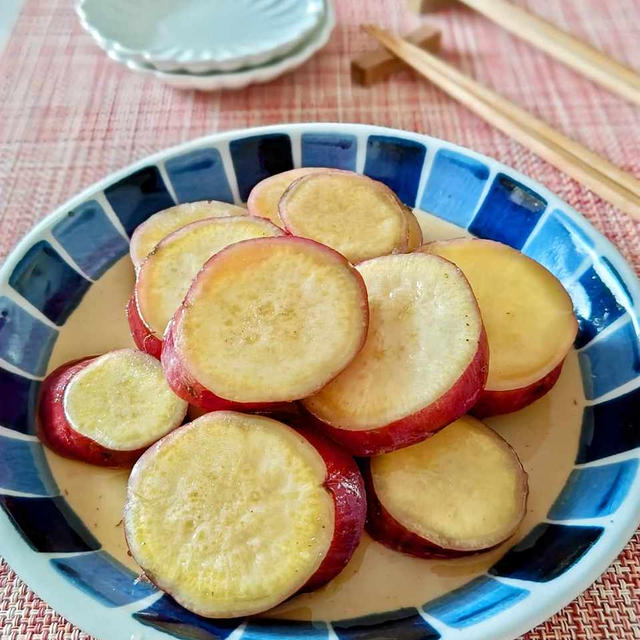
(234, 513)
(424, 362)
(461, 491)
(161, 224)
(165, 276)
(357, 216)
(528, 316)
(107, 410)
(265, 321)
(264, 197)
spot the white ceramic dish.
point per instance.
(200, 36)
(243, 77)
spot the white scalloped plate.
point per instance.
(200, 36)
(243, 77)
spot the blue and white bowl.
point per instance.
(580, 531)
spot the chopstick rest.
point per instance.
(378, 64)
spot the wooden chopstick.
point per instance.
(594, 171)
(561, 45)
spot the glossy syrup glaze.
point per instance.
(545, 436)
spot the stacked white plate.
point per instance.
(209, 44)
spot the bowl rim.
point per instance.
(545, 598)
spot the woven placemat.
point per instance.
(69, 116)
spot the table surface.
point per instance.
(69, 116)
